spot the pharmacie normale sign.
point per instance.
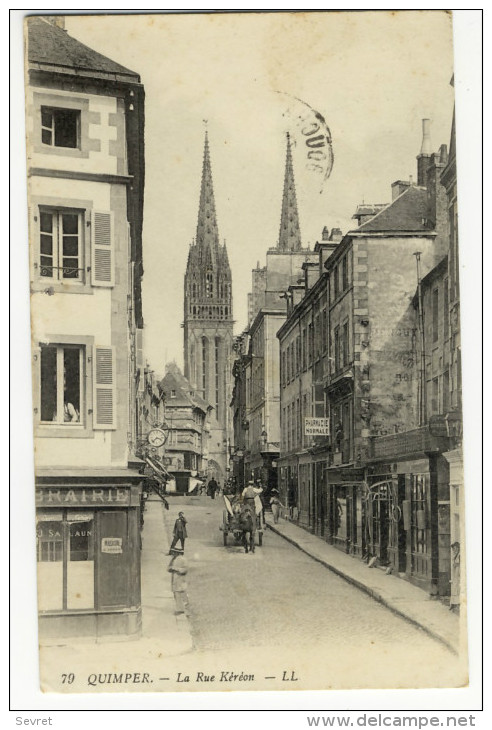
(316, 426)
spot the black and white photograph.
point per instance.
(244, 271)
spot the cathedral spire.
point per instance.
(207, 234)
(289, 238)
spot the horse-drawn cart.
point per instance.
(237, 520)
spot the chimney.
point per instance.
(426, 148)
(423, 158)
(437, 202)
(399, 187)
(328, 244)
(57, 20)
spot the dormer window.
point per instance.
(173, 394)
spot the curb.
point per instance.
(369, 591)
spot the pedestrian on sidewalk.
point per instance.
(276, 504)
(178, 568)
(454, 601)
(179, 532)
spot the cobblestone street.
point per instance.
(282, 600)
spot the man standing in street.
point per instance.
(251, 497)
(212, 487)
(179, 532)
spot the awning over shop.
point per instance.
(157, 469)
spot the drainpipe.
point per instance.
(422, 393)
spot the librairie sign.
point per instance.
(316, 426)
(66, 496)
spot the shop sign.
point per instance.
(112, 545)
(352, 475)
(316, 426)
(67, 496)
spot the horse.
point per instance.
(247, 526)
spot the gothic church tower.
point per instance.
(208, 323)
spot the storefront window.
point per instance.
(65, 545)
(419, 506)
(80, 562)
(341, 514)
(50, 562)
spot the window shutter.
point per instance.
(36, 384)
(35, 241)
(102, 263)
(104, 389)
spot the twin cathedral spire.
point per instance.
(208, 281)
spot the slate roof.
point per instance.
(369, 209)
(175, 380)
(51, 46)
(407, 212)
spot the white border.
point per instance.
(27, 701)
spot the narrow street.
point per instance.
(281, 601)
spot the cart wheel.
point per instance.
(260, 539)
(224, 535)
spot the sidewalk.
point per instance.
(400, 596)
(158, 620)
(163, 633)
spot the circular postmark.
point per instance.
(312, 136)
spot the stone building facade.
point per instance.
(187, 423)
(259, 367)
(85, 133)
(374, 481)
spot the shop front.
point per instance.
(345, 495)
(289, 487)
(305, 492)
(457, 525)
(320, 492)
(408, 519)
(88, 552)
(384, 536)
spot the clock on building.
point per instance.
(156, 437)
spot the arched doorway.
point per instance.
(214, 470)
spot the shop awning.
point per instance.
(157, 469)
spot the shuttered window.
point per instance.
(104, 389)
(102, 249)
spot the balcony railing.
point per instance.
(67, 272)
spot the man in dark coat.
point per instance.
(179, 532)
(212, 487)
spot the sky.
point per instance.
(373, 76)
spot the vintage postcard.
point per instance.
(246, 351)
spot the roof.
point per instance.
(407, 212)
(49, 45)
(368, 209)
(175, 381)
